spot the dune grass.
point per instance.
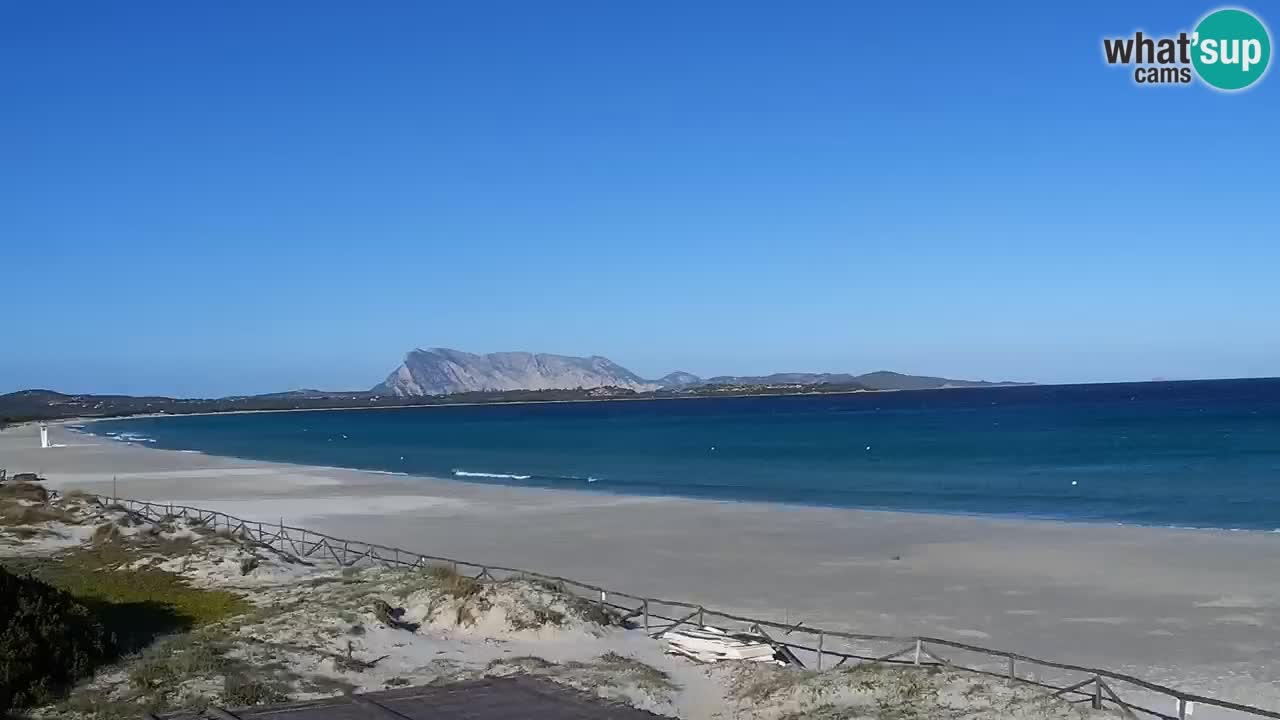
(453, 583)
(137, 605)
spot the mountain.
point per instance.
(678, 379)
(441, 371)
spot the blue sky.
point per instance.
(211, 198)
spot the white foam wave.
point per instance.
(134, 437)
(501, 476)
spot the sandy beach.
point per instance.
(1194, 609)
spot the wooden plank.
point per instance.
(1070, 688)
(314, 548)
(675, 624)
(377, 708)
(892, 655)
(1124, 706)
(633, 613)
(936, 657)
(781, 648)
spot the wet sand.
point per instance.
(1196, 609)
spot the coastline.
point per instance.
(1081, 524)
(1198, 609)
(82, 426)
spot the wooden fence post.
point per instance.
(1012, 675)
(646, 617)
(916, 660)
(1097, 693)
(820, 637)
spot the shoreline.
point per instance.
(1081, 523)
(1195, 609)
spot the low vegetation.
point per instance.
(137, 604)
(47, 640)
(884, 692)
(69, 612)
(453, 583)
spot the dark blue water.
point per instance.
(1203, 454)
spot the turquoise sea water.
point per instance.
(1201, 454)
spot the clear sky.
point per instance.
(203, 198)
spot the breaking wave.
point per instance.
(514, 476)
(499, 476)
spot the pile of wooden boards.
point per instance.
(712, 645)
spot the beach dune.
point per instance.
(1195, 609)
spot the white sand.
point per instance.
(314, 629)
(1193, 609)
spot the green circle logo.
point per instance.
(1232, 49)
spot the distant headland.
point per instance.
(441, 376)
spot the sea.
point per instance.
(1185, 454)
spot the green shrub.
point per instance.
(47, 641)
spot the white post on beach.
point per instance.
(44, 436)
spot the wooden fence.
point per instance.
(823, 649)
